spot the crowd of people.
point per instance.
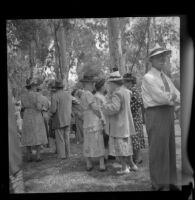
(108, 121)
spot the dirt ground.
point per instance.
(53, 175)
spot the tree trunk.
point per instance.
(57, 72)
(32, 58)
(148, 46)
(114, 35)
(64, 67)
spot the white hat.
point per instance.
(158, 50)
(115, 76)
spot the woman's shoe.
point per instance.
(103, 169)
(140, 161)
(89, 168)
(29, 160)
(39, 159)
(126, 171)
(134, 168)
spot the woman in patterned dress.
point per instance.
(33, 130)
(93, 146)
(136, 105)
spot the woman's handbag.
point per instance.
(106, 137)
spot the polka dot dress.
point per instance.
(136, 104)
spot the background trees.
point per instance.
(65, 48)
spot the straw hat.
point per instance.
(158, 50)
(115, 77)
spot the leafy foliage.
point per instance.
(87, 45)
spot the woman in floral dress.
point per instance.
(136, 105)
(93, 146)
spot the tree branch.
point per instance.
(148, 20)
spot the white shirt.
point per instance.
(153, 90)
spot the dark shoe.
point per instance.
(174, 187)
(29, 160)
(102, 169)
(111, 157)
(139, 161)
(89, 169)
(39, 159)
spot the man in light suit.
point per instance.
(61, 108)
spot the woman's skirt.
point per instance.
(93, 145)
(33, 130)
(120, 146)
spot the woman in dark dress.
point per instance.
(136, 106)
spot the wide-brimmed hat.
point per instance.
(115, 77)
(129, 77)
(32, 81)
(58, 84)
(158, 50)
(51, 85)
(87, 78)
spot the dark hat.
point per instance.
(58, 84)
(28, 82)
(99, 84)
(128, 77)
(51, 85)
(32, 81)
(158, 50)
(87, 78)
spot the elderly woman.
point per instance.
(121, 127)
(100, 90)
(136, 104)
(93, 146)
(33, 130)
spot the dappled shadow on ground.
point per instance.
(54, 175)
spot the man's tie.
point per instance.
(166, 84)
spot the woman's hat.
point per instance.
(58, 84)
(115, 77)
(87, 78)
(158, 50)
(32, 81)
(51, 85)
(128, 77)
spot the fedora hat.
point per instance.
(115, 77)
(51, 85)
(32, 81)
(158, 50)
(58, 84)
(88, 78)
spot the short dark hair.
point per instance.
(99, 84)
(129, 78)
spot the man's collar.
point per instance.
(156, 71)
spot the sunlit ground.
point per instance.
(70, 176)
